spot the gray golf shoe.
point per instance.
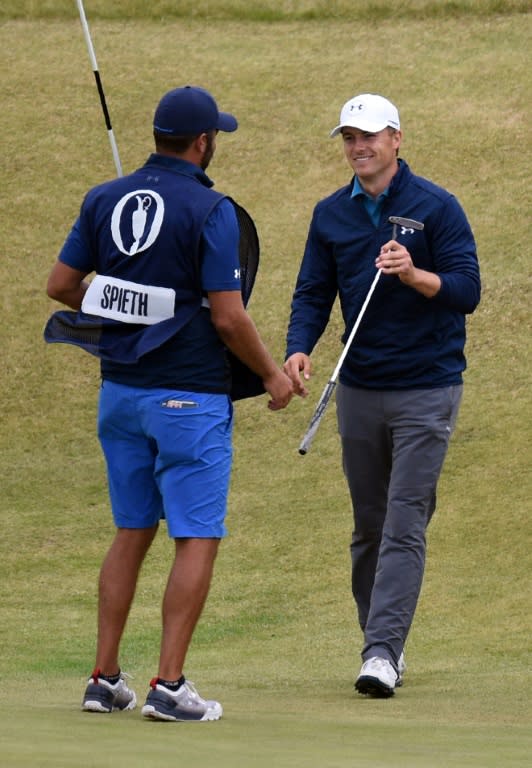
(101, 696)
(182, 705)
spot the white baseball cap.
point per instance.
(368, 112)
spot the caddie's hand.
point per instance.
(281, 389)
(295, 366)
(394, 259)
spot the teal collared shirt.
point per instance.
(373, 205)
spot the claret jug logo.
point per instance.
(136, 221)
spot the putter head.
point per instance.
(406, 223)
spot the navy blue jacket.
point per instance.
(405, 340)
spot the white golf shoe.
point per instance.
(377, 678)
(401, 669)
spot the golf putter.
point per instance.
(406, 225)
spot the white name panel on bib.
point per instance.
(128, 302)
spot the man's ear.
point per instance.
(200, 143)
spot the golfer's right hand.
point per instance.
(295, 366)
(280, 388)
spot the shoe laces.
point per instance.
(190, 688)
(380, 663)
(187, 688)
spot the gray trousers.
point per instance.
(393, 448)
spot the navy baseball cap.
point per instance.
(189, 111)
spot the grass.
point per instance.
(278, 642)
(265, 10)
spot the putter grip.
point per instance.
(317, 417)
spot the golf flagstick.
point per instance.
(101, 93)
(331, 384)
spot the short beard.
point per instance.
(209, 151)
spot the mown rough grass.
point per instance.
(262, 10)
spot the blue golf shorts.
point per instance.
(168, 455)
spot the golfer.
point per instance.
(167, 301)
(400, 385)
